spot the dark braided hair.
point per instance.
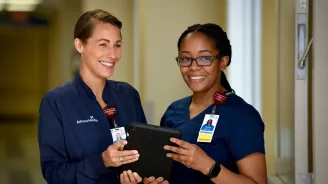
(221, 40)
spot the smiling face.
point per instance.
(101, 52)
(201, 78)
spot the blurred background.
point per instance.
(269, 39)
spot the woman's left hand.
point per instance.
(127, 177)
(190, 155)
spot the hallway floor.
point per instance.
(19, 154)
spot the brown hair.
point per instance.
(84, 26)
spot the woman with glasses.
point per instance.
(233, 151)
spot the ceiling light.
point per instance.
(21, 7)
(23, 2)
(2, 2)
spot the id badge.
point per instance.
(118, 134)
(207, 129)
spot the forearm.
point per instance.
(228, 177)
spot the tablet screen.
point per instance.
(149, 140)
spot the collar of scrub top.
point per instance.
(85, 89)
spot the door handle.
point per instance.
(301, 62)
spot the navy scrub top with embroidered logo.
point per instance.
(239, 132)
(73, 130)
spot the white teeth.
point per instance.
(197, 77)
(106, 63)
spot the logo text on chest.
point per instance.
(87, 120)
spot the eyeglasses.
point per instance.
(185, 61)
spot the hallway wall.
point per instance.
(22, 71)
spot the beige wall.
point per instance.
(61, 45)
(54, 67)
(286, 82)
(320, 90)
(278, 85)
(269, 81)
(22, 62)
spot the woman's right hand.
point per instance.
(153, 180)
(115, 156)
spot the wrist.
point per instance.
(206, 170)
(215, 170)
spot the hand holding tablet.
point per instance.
(149, 140)
(115, 156)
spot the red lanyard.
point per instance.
(110, 113)
(219, 98)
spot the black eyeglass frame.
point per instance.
(195, 59)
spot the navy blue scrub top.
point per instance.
(73, 130)
(239, 132)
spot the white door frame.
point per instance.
(301, 166)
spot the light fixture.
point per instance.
(23, 2)
(2, 3)
(19, 5)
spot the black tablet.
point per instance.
(149, 140)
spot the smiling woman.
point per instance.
(222, 136)
(75, 140)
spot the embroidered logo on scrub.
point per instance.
(91, 120)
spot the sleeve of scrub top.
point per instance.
(246, 134)
(168, 113)
(56, 167)
(162, 121)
